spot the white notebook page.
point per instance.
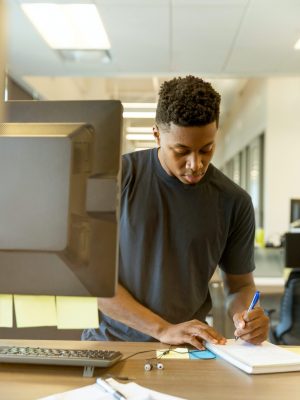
(266, 357)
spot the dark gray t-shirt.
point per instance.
(172, 237)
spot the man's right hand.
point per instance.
(192, 332)
(124, 308)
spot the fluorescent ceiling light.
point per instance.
(68, 26)
(297, 45)
(139, 129)
(102, 56)
(139, 114)
(135, 136)
(139, 105)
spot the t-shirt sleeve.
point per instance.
(126, 171)
(238, 255)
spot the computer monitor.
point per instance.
(292, 249)
(59, 202)
(295, 211)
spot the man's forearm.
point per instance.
(239, 291)
(240, 301)
(124, 308)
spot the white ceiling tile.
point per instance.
(130, 3)
(139, 36)
(210, 3)
(266, 38)
(155, 39)
(202, 35)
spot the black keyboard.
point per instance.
(42, 355)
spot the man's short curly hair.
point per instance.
(187, 101)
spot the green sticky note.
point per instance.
(6, 311)
(77, 312)
(33, 311)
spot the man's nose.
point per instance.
(194, 162)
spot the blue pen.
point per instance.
(254, 300)
(252, 305)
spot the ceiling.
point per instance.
(225, 41)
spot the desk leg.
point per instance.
(221, 322)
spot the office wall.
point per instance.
(16, 92)
(246, 120)
(75, 88)
(268, 105)
(282, 152)
(2, 56)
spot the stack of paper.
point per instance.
(131, 390)
(264, 358)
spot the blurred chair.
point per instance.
(287, 331)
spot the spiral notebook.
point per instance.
(261, 359)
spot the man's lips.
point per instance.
(193, 178)
(196, 174)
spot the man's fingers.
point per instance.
(239, 320)
(196, 342)
(255, 337)
(255, 331)
(249, 327)
(258, 321)
(255, 328)
(253, 314)
(209, 334)
(193, 332)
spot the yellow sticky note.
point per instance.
(33, 311)
(6, 311)
(77, 312)
(286, 273)
(178, 353)
(295, 349)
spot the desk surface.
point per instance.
(190, 379)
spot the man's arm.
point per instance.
(252, 326)
(124, 308)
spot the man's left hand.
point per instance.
(251, 326)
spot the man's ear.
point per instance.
(156, 134)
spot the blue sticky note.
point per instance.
(201, 355)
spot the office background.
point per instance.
(246, 48)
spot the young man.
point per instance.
(180, 218)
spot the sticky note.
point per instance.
(294, 349)
(184, 353)
(178, 353)
(286, 273)
(77, 312)
(33, 311)
(6, 310)
(201, 354)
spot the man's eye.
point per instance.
(203, 151)
(181, 152)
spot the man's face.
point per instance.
(185, 152)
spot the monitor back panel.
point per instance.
(59, 203)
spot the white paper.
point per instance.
(94, 392)
(91, 392)
(263, 358)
